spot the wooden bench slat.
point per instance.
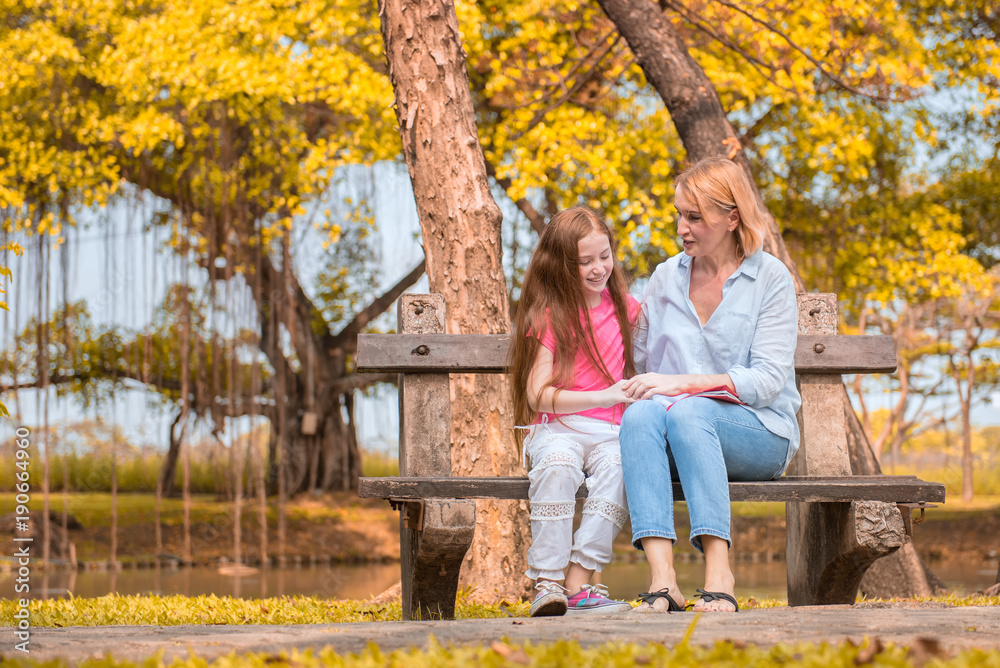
(893, 489)
(487, 353)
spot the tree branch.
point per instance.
(598, 56)
(346, 340)
(536, 219)
(720, 37)
(690, 98)
(819, 65)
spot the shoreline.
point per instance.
(171, 562)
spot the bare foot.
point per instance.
(658, 599)
(708, 603)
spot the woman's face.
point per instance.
(705, 233)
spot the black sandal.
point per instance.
(709, 596)
(650, 598)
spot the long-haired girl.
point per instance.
(571, 349)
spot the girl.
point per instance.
(572, 346)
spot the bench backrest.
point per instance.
(487, 353)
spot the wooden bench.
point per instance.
(838, 524)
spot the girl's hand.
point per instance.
(615, 395)
(648, 385)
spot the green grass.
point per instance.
(93, 509)
(137, 469)
(567, 653)
(379, 465)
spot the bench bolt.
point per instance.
(819, 347)
(423, 350)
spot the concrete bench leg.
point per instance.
(831, 545)
(434, 537)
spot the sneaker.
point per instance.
(592, 600)
(550, 601)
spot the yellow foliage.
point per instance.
(234, 108)
(213, 105)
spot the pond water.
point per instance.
(337, 582)
(625, 580)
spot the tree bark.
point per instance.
(965, 400)
(169, 472)
(460, 222)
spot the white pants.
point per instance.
(562, 456)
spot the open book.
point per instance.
(721, 393)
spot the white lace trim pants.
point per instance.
(562, 456)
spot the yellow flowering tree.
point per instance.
(236, 115)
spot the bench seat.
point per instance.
(892, 489)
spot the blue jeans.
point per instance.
(702, 442)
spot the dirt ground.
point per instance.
(342, 528)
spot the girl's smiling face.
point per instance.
(596, 264)
(705, 233)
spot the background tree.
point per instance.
(236, 121)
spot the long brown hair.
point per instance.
(552, 297)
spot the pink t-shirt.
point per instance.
(610, 349)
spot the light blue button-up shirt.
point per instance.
(751, 336)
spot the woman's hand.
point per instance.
(648, 385)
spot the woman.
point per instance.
(720, 314)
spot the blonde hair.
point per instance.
(722, 184)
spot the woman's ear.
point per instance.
(734, 219)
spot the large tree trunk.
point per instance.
(460, 222)
(697, 113)
(327, 459)
(321, 451)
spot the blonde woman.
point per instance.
(722, 314)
